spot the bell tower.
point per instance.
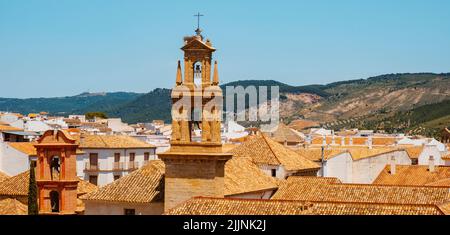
(56, 173)
(195, 162)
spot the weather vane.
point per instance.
(198, 30)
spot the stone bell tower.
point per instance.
(56, 173)
(195, 162)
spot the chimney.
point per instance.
(431, 164)
(392, 165)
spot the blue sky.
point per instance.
(65, 47)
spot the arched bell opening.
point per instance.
(55, 167)
(198, 74)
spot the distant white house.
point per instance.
(358, 165)
(117, 126)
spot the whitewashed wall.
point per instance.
(430, 150)
(363, 171)
(106, 163)
(115, 208)
(12, 161)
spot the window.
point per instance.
(129, 211)
(116, 177)
(132, 155)
(93, 160)
(93, 179)
(146, 156)
(116, 157)
(274, 172)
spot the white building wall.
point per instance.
(430, 150)
(280, 171)
(363, 171)
(366, 170)
(340, 167)
(116, 208)
(12, 161)
(106, 163)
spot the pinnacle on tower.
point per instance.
(216, 75)
(179, 80)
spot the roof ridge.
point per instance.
(271, 150)
(316, 201)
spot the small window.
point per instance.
(116, 177)
(129, 211)
(132, 155)
(146, 156)
(93, 179)
(274, 172)
(116, 157)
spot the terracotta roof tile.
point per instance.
(263, 150)
(111, 141)
(9, 128)
(284, 133)
(10, 206)
(413, 175)
(146, 184)
(24, 147)
(302, 188)
(315, 154)
(446, 157)
(3, 176)
(243, 176)
(414, 152)
(224, 206)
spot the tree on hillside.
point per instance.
(32, 192)
(92, 115)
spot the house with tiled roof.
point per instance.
(275, 159)
(142, 191)
(16, 187)
(286, 136)
(354, 164)
(106, 158)
(304, 189)
(225, 206)
(414, 175)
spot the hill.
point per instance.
(81, 103)
(381, 102)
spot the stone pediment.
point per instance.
(195, 44)
(56, 137)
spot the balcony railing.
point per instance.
(118, 166)
(91, 167)
(133, 165)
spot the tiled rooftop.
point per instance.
(265, 151)
(221, 206)
(414, 175)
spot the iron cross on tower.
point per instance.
(198, 30)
